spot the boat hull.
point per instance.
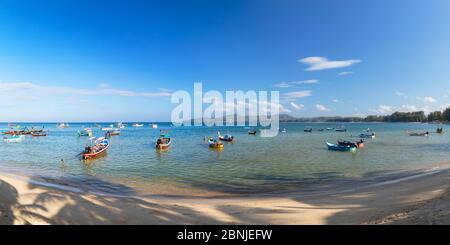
(87, 156)
(334, 147)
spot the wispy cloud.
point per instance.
(283, 85)
(297, 94)
(335, 101)
(444, 106)
(401, 94)
(383, 109)
(293, 83)
(310, 81)
(321, 63)
(321, 107)
(297, 106)
(345, 73)
(428, 99)
(35, 90)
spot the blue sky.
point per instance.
(120, 61)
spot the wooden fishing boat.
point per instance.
(226, 137)
(13, 138)
(357, 144)
(14, 132)
(39, 134)
(215, 144)
(114, 132)
(96, 148)
(367, 136)
(309, 130)
(335, 147)
(252, 132)
(418, 134)
(37, 130)
(341, 130)
(163, 142)
(85, 132)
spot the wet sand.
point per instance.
(420, 199)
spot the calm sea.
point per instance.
(292, 160)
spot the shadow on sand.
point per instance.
(56, 207)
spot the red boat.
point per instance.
(163, 142)
(99, 147)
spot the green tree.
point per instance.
(435, 116)
(446, 114)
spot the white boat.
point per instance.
(154, 125)
(108, 129)
(137, 125)
(120, 125)
(14, 138)
(284, 130)
(63, 125)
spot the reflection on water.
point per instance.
(250, 161)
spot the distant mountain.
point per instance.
(418, 116)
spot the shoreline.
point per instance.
(171, 189)
(405, 201)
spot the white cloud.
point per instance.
(322, 63)
(321, 107)
(297, 94)
(359, 115)
(427, 99)
(443, 107)
(408, 108)
(311, 81)
(282, 85)
(383, 109)
(291, 84)
(27, 89)
(344, 73)
(297, 106)
(400, 94)
(335, 101)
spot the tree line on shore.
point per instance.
(416, 116)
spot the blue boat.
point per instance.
(335, 147)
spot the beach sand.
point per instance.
(420, 200)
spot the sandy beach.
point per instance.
(421, 199)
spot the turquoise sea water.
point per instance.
(294, 159)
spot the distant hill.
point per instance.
(418, 116)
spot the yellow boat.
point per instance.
(215, 144)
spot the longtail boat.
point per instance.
(227, 137)
(335, 147)
(215, 144)
(38, 134)
(14, 138)
(96, 148)
(163, 141)
(367, 136)
(418, 134)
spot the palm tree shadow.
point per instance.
(8, 199)
(50, 206)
